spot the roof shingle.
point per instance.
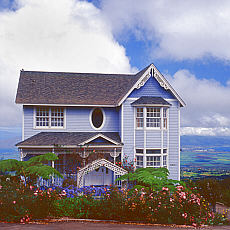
(74, 88)
(65, 138)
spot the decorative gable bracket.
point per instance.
(154, 73)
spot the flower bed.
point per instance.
(20, 203)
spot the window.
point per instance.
(165, 118)
(153, 151)
(46, 117)
(153, 161)
(139, 151)
(139, 163)
(153, 117)
(164, 160)
(139, 118)
(97, 118)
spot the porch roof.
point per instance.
(74, 139)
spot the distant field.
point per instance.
(209, 159)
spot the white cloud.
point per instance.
(208, 105)
(178, 29)
(50, 35)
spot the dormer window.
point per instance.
(49, 117)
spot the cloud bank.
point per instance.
(50, 35)
(208, 103)
(177, 29)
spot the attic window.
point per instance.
(97, 118)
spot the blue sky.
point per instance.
(188, 41)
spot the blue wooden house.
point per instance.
(92, 121)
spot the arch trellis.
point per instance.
(95, 165)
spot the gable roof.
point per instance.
(49, 139)
(156, 101)
(81, 89)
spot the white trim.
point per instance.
(23, 124)
(159, 77)
(144, 150)
(90, 118)
(179, 142)
(134, 136)
(99, 135)
(169, 99)
(66, 105)
(135, 86)
(132, 98)
(122, 130)
(162, 136)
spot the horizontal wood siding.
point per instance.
(77, 120)
(151, 88)
(174, 141)
(153, 139)
(139, 139)
(128, 138)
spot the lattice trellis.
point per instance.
(95, 165)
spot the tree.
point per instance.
(155, 178)
(32, 169)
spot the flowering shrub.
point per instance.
(20, 202)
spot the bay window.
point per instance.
(151, 117)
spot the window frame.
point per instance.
(50, 117)
(153, 117)
(137, 117)
(162, 118)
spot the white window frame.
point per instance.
(139, 118)
(162, 153)
(138, 165)
(147, 115)
(153, 161)
(153, 116)
(50, 118)
(165, 118)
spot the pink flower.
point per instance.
(31, 187)
(14, 202)
(165, 189)
(0, 186)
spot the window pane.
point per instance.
(42, 117)
(153, 151)
(57, 117)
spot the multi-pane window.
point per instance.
(42, 117)
(139, 161)
(165, 118)
(139, 151)
(153, 117)
(49, 117)
(57, 117)
(139, 118)
(153, 151)
(153, 161)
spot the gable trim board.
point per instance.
(99, 135)
(159, 77)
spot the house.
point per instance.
(91, 121)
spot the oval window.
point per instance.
(97, 118)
